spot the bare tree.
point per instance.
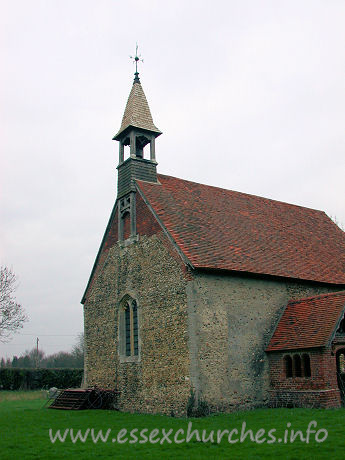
(78, 350)
(12, 314)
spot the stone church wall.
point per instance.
(149, 271)
(231, 320)
(197, 330)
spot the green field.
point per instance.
(25, 428)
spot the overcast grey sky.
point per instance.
(249, 96)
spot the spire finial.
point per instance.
(136, 59)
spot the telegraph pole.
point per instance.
(37, 340)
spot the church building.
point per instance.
(232, 298)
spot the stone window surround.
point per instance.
(127, 299)
(127, 206)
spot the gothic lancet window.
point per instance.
(129, 328)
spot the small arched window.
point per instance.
(297, 365)
(288, 366)
(306, 365)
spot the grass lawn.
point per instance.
(25, 424)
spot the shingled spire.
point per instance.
(137, 112)
(136, 131)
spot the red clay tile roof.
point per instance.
(223, 229)
(308, 323)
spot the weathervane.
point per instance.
(136, 59)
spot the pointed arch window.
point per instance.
(129, 328)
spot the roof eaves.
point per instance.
(289, 350)
(262, 274)
(294, 303)
(137, 126)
